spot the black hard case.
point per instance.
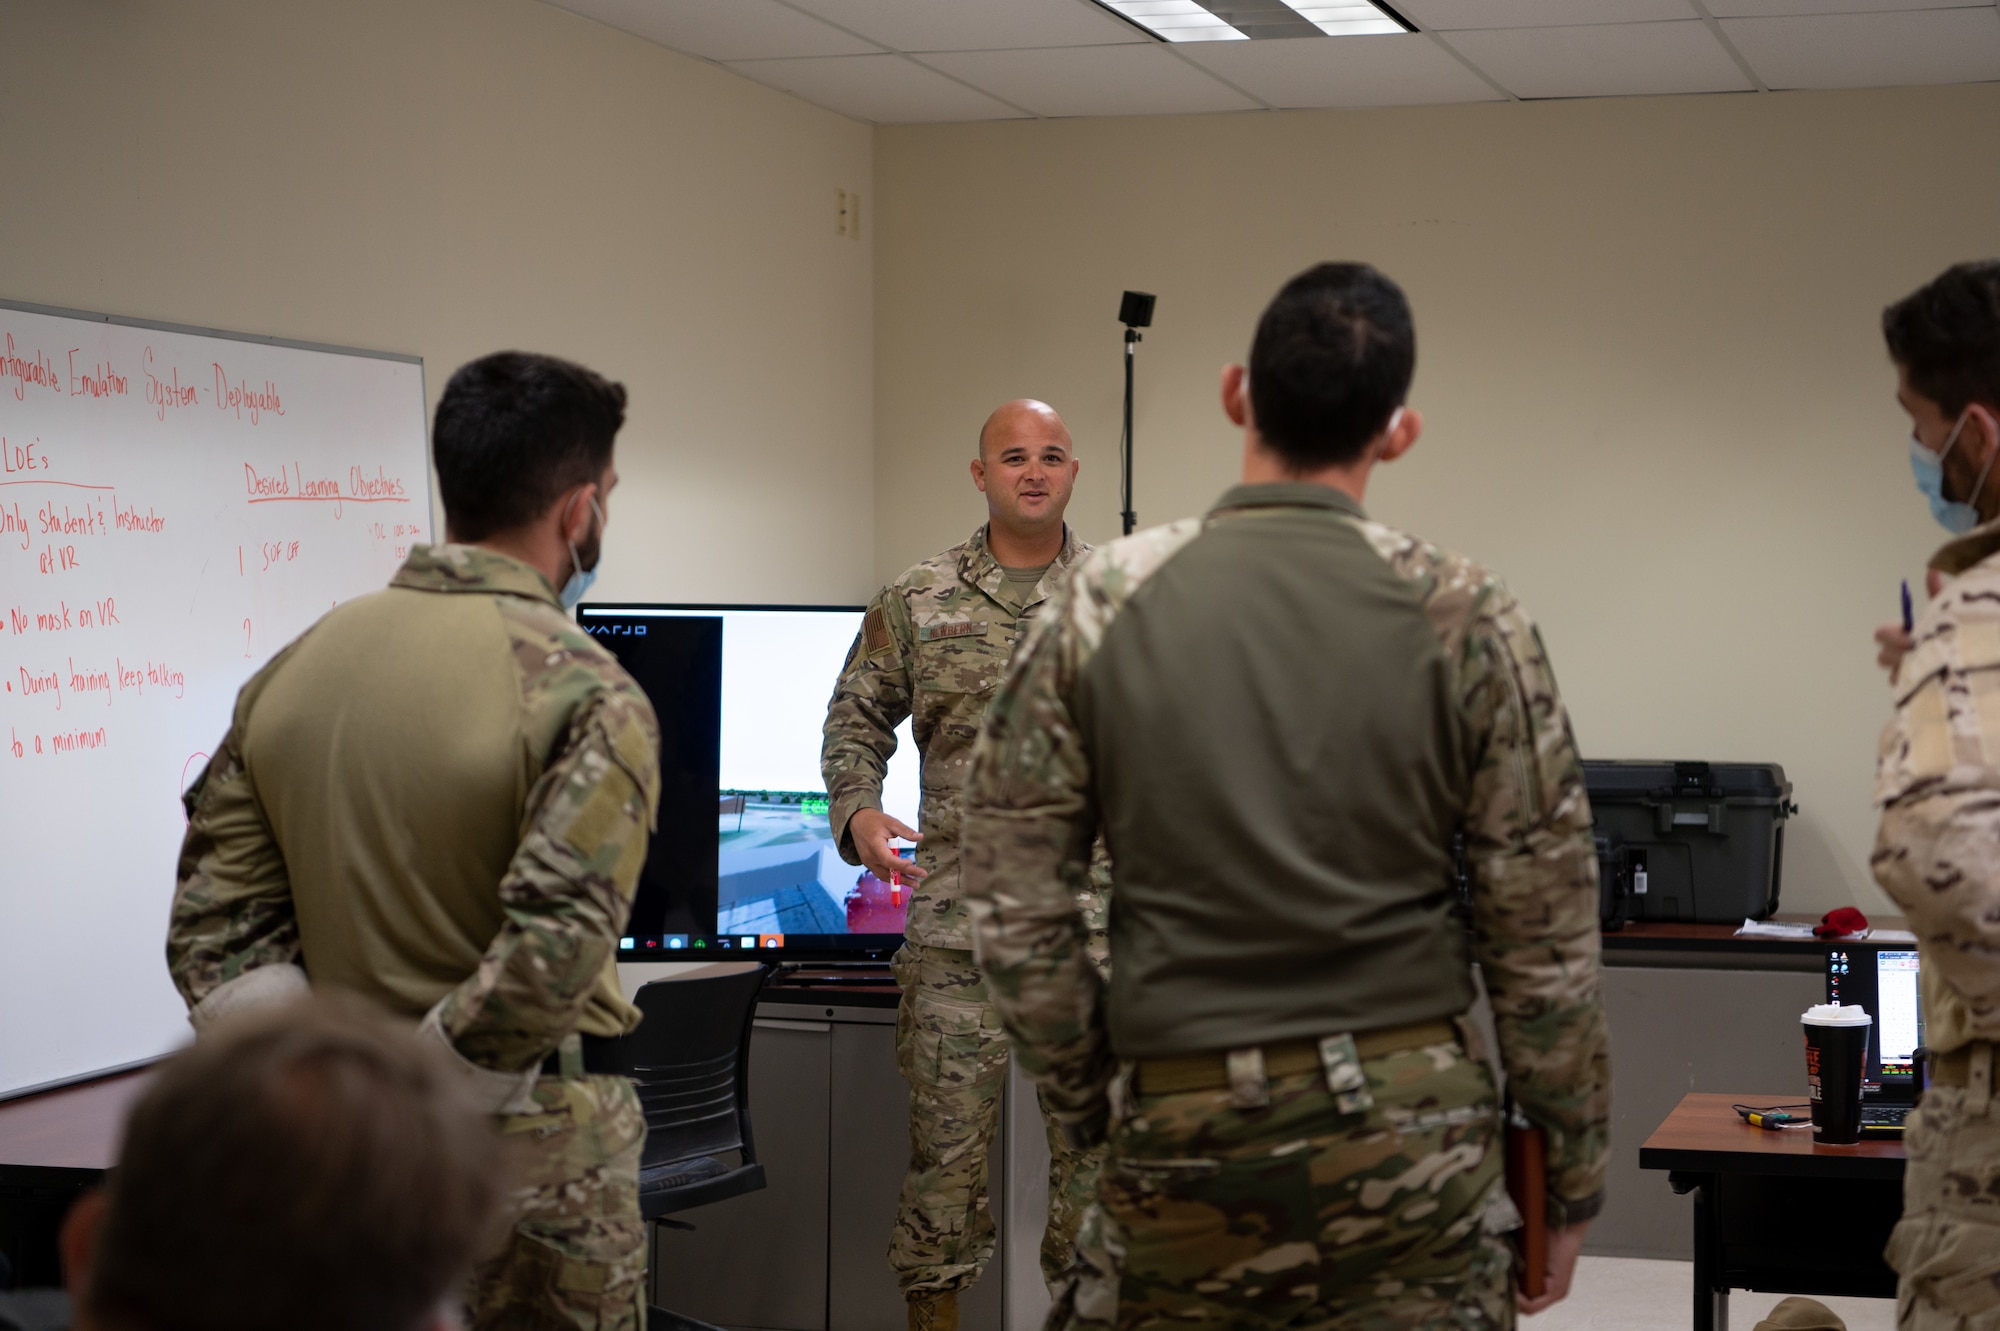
(1696, 842)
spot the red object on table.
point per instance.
(1840, 923)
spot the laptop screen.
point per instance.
(1897, 1028)
(1884, 981)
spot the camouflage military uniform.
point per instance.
(439, 796)
(1938, 855)
(1350, 1178)
(931, 648)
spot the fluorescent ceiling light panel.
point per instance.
(1176, 20)
(1346, 20)
(1235, 20)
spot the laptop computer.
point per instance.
(1883, 979)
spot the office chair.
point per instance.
(690, 1058)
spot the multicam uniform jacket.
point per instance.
(440, 796)
(1036, 798)
(931, 649)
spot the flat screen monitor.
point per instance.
(743, 858)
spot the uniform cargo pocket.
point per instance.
(1217, 1242)
(955, 1044)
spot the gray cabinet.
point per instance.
(830, 1115)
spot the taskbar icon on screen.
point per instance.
(645, 944)
(804, 947)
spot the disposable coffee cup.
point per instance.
(1836, 1053)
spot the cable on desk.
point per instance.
(1773, 1118)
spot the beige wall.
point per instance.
(1655, 393)
(1648, 358)
(448, 177)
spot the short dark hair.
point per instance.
(1946, 336)
(514, 430)
(315, 1168)
(1332, 359)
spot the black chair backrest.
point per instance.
(691, 1060)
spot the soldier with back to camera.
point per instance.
(1279, 716)
(1937, 853)
(439, 796)
(931, 649)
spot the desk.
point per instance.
(52, 1147)
(1674, 936)
(1774, 1211)
(1690, 1008)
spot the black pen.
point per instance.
(1908, 622)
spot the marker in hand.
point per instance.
(896, 878)
(1909, 621)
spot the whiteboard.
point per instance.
(175, 506)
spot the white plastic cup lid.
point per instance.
(1833, 1014)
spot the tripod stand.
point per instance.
(1135, 311)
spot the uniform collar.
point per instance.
(978, 568)
(1287, 494)
(471, 568)
(1962, 552)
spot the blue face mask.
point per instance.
(580, 577)
(1953, 515)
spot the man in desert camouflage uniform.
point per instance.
(439, 797)
(1938, 783)
(931, 649)
(1280, 716)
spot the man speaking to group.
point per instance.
(931, 648)
(1281, 715)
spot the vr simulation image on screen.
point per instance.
(741, 693)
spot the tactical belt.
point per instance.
(1287, 1058)
(1957, 1067)
(599, 1057)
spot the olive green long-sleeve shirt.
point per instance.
(1280, 715)
(439, 796)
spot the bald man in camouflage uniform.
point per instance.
(439, 797)
(931, 648)
(1280, 715)
(1938, 784)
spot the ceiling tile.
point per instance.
(1603, 60)
(1447, 14)
(885, 89)
(1772, 8)
(1404, 70)
(973, 25)
(1871, 50)
(739, 30)
(1137, 80)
